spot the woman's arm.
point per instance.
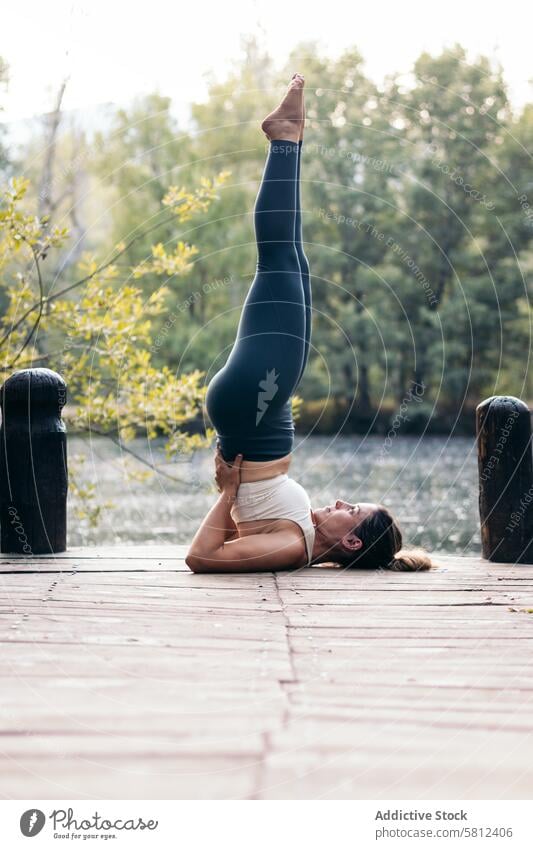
(223, 472)
(254, 553)
(230, 529)
(212, 533)
(217, 527)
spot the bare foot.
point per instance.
(286, 122)
(302, 127)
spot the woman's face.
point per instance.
(336, 522)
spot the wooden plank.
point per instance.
(132, 777)
(109, 552)
(119, 666)
(168, 558)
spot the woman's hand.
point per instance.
(227, 475)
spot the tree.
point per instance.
(4, 78)
(97, 331)
(452, 117)
(348, 178)
(412, 218)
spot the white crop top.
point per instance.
(280, 497)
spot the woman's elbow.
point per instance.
(196, 563)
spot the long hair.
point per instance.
(383, 546)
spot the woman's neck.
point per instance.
(321, 550)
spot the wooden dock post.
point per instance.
(33, 463)
(505, 464)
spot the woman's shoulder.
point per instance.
(284, 535)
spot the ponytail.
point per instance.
(410, 560)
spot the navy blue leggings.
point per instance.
(249, 400)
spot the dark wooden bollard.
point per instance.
(505, 479)
(33, 463)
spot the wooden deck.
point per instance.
(125, 676)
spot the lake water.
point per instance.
(430, 484)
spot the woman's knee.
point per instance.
(279, 256)
(303, 261)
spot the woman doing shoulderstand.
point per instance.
(263, 520)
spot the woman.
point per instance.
(263, 519)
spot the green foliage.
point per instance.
(416, 222)
(97, 331)
(419, 243)
(4, 158)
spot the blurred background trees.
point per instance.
(416, 199)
